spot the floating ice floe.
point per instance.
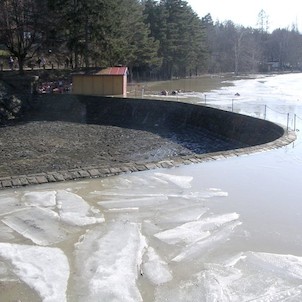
(261, 277)
(206, 245)
(49, 217)
(73, 209)
(40, 225)
(183, 182)
(44, 269)
(132, 202)
(108, 261)
(40, 199)
(194, 231)
(180, 214)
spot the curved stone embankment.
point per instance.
(193, 133)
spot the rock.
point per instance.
(10, 105)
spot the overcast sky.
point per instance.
(281, 13)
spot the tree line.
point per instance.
(155, 39)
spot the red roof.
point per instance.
(114, 71)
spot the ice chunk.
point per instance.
(181, 214)
(108, 261)
(209, 243)
(156, 270)
(183, 234)
(148, 201)
(213, 222)
(183, 182)
(74, 210)
(44, 269)
(42, 226)
(43, 199)
(193, 231)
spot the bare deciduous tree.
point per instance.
(22, 27)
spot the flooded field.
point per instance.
(227, 230)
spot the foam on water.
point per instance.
(35, 266)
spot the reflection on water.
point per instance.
(225, 230)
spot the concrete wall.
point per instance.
(151, 114)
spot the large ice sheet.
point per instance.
(73, 209)
(44, 269)
(48, 217)
(41, 225)
(108, 262)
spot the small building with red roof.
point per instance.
(108, 81)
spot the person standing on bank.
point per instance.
(11, 63)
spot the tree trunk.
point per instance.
(86, 55)
(21, 65)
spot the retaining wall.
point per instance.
(151, 114)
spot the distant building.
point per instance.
(109, 81)
(273, 66)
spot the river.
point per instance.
(225, 230)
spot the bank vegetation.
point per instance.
(155, 39)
